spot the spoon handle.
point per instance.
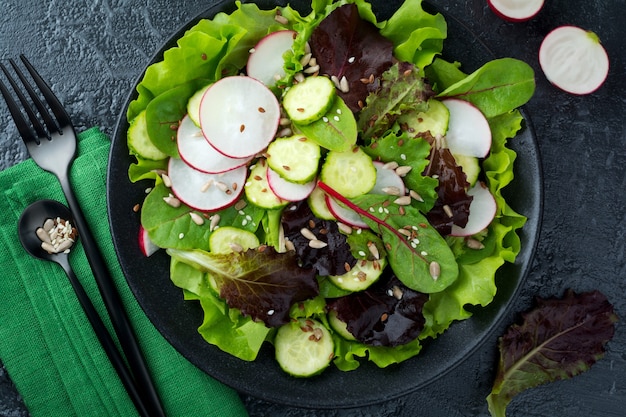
(104, 337)
(115, 308)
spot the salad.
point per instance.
(327, 183)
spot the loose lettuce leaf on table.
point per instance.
(558, 339)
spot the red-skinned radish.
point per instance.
(468, 130)
(146, 245)
(266, 62)
(202, 191)
(516, 10)
(197, 152)
(574, 60)
(239, 116)
(344, 214)
(287, 190)
(481, 212)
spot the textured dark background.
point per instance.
(93, 52)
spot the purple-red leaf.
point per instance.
(346, 45)
(386, 314)
(264, 284)
(558, 339)
(329, 260)
(452, 205)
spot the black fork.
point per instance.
(52, 142)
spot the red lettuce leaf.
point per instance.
(330, 260)
(558, 339)
(346, 45)
(451, 193)
(386, 314)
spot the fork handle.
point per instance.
(114, 306)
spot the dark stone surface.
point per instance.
(92, 53)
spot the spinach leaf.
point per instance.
(419, 257)
(558, 339)
(497, 87)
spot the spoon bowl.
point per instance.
(33, 218)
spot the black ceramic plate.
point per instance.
(178, 320)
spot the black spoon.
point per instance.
(32, 219)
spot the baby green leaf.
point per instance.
(558, 339)
(497, 87)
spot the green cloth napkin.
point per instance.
(46, 343)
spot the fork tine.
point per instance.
(22, 126)
(41, 108)
(56, 106)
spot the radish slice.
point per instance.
(516, 10)
(196, 151)
(239, 116)
(574, 60)
(266, 62)
(481, 212)
(387, 181)
(147, 246)
(344, 214)
(287, 190)
(468, 130)
(202, 191)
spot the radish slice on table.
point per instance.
(345, 214)
(197, 152)
(239, 116)
(481, 212)
(147, 246)
(388, 182)
(202, 191)
(574, 60)
(468, 132)
(516, 10)
(287, 190)
(266, 62)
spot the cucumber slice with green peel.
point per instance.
(340, 327)
(317, 204)
(434, 120)
(258, 190)
(351, 173)
(295, 158)
(139, 142)
(470, 166)
(363, 274)
(228, 239)
(193, 105)
(309, 100)
(304, 347)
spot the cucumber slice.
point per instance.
(139, 142)
(363, 274)
(470, 166)
(434, 120)
(193, 105)
(228, 239)
(295, 158)
(258, 189)
(351, 173)
(340, 327)
(304, 347)
(309, 100)
(317, 204)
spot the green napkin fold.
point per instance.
(46, 343)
